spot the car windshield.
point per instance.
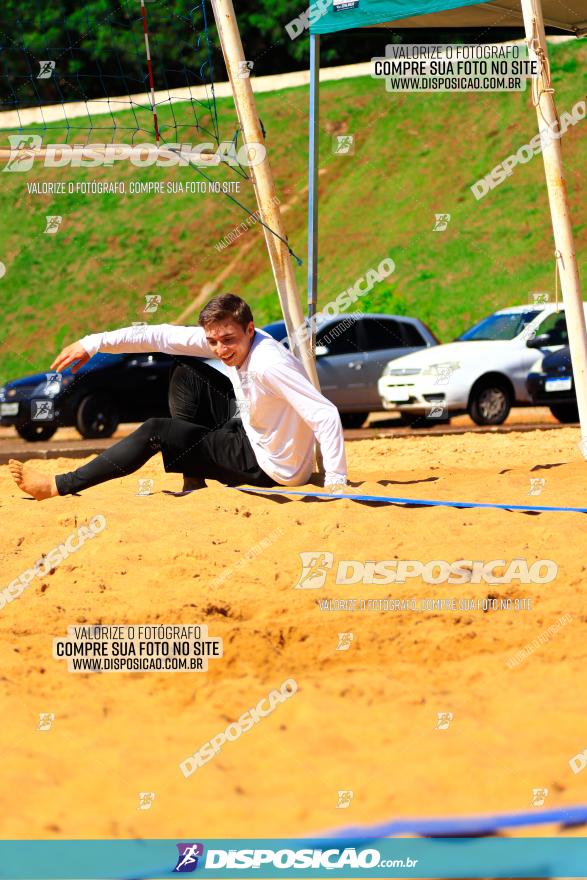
(502, 326)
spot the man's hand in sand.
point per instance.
(73, 354)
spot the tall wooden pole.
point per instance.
(263, 183)
(559, 209)
(313, 165)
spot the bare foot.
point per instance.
(33, 483)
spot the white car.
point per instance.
(483, 372)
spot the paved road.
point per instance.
(68, 444)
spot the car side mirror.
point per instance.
(321, 350)
(538, 341)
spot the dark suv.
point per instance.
(108, 389)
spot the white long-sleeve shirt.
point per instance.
(281, 411)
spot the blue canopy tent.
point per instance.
(532, 16)
(570, 16)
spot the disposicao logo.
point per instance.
(189, 853)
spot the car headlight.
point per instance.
(52, 387)
(445, 369)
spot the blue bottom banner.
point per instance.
(379, 857)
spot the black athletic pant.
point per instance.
(202, 439)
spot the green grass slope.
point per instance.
(415, 155)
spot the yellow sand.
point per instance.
(363, 719)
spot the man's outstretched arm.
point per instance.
(166, 338)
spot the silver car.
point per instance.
(351, 355)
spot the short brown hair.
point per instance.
(224, 306)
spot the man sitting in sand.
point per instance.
(281, 413)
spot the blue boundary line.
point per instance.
(384, 499)
(468, 825)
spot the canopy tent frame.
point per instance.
(566, 260)
(579, 29)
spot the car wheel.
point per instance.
(353, 420)
(490, 402)
(96, 417)
(565, 412)
(34, 433)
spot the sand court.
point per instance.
(451, 699)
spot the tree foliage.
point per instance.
(98, 46)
